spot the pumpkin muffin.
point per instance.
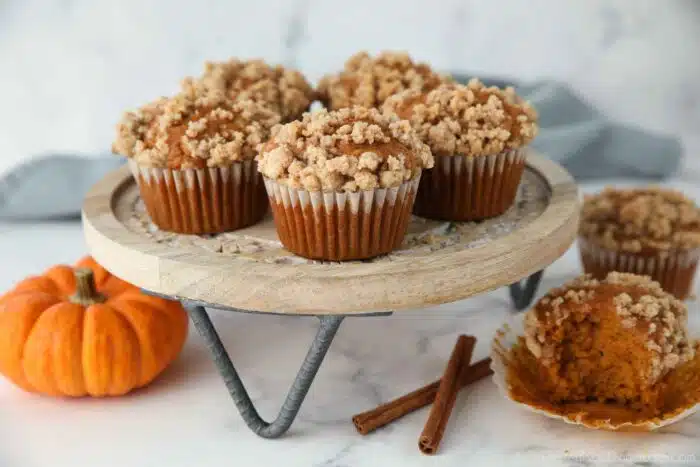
(478, 136)
(368, 81)
(610, 342)
(342, 183)
(650, 230)
(193, 158)
(283, 90)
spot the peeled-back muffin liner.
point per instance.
(468, 188)
(506, 339)
(341, 226)
(202, 201)
(675, 270)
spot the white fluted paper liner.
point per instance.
(503, 342)
(339, 226)
(465, 188)
(202, 200)
(675, 270)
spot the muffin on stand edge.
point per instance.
(193, 158)
(478, 136)
(342, 183)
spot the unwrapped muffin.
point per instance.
(478, 136)
(283, 90)
(651, 230)
(193, 158)
(611, 342)
(368, 81)
(342, 183)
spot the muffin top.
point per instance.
(194, 129)
(284, 90)
(645, 220)
(640, 305)
(368, 81)
(470, 120)
(345, 150)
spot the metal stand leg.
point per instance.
(297, 393)
(522, 296)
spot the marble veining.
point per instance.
(70, 69)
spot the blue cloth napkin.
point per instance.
(572, 132)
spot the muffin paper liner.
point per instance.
(674, 271)
(341, 226)
(202, 201)
(463, 188)
(507, 337)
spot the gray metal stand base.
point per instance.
(314, 357)
(329, 324)
(522, 296)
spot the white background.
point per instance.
(68, 69)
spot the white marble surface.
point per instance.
(187, 418)
(70, 67)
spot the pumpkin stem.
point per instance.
(86, 293)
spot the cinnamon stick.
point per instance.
(441, 409)
(367, 422)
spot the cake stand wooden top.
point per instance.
(249, 270)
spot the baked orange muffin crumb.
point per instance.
(368, 81)
(345, 150)
(642, 220)
(609, 341)
(284, 90)
(470, 120)
(194, 129)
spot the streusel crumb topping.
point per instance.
(345, 150)
(368, 81)
(471, 120)
(284, 90)
(643, 220)
(193, 130)
(641, 306)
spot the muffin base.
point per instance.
(202, 201)
(503, 363)
(341, 226)
(674, 271)
(463, 188)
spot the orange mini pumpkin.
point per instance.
(77, 331)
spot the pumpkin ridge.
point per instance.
(69, 376)
(137, 358)
(114, 379)
(170, 312)
(35, 284)
(144, 377)
(50, 374)
(29, 335)
(63, 277)
(16, 364)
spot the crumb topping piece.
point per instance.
(284, 90)
(194, 129)
(640, 304)
(368, 81)
(470, 120)
(346, 150)
(644, 220)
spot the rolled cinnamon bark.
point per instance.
(367, 422)
(441, 409)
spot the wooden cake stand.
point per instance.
(248, 270)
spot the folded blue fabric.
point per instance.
(572, 133)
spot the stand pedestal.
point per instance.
(328, 326)
(248, 269)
